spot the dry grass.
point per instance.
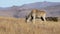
(10, 25)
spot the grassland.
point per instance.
(10, 25)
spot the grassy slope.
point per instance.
(10, 25)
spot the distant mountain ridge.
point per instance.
(40, 4)
(52, 9)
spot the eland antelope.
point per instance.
(36, 13)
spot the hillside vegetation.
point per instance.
(10, 25)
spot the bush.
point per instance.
(52, 19)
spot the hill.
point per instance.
(52, 9)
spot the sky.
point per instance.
(9, 3)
